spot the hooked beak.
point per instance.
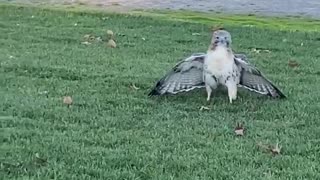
(221, 42)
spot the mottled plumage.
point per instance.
(219, 66)
(185, 76)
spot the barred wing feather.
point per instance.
(188, 75)
(185, 76)
(253, 80)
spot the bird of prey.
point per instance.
(219, 66)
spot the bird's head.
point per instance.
(221, 37)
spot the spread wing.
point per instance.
(253, 80)
(185, 76)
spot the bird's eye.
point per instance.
(217, 37)
(225, 38)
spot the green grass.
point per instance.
(115, 132)
(250, 20)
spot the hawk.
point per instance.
(219, 66)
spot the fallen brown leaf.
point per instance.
(275, 150)
(86, 36)
(256, 50)
(86, 43)
(109, 33)
(67, 100)
(40, 160)
(92, 38)
(89, 37)
(292, 63)
(239, 130)
(98, 39)
(204, 108)
(133, 86)
(111, 44)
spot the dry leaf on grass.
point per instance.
(256, 50)
(292, 63)
(111, 44)
(260, 50)
(86, 36)
(204, 108)
(89, 37)
(67, 100)
(98, 39)
(275, 150)
(86, 43)
(133, 86)
(40, 160)
(109, 33)
(239, 130)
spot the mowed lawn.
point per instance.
(115, 131)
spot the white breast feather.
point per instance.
(219, 62)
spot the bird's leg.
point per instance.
(209, 91)
(232, 90)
